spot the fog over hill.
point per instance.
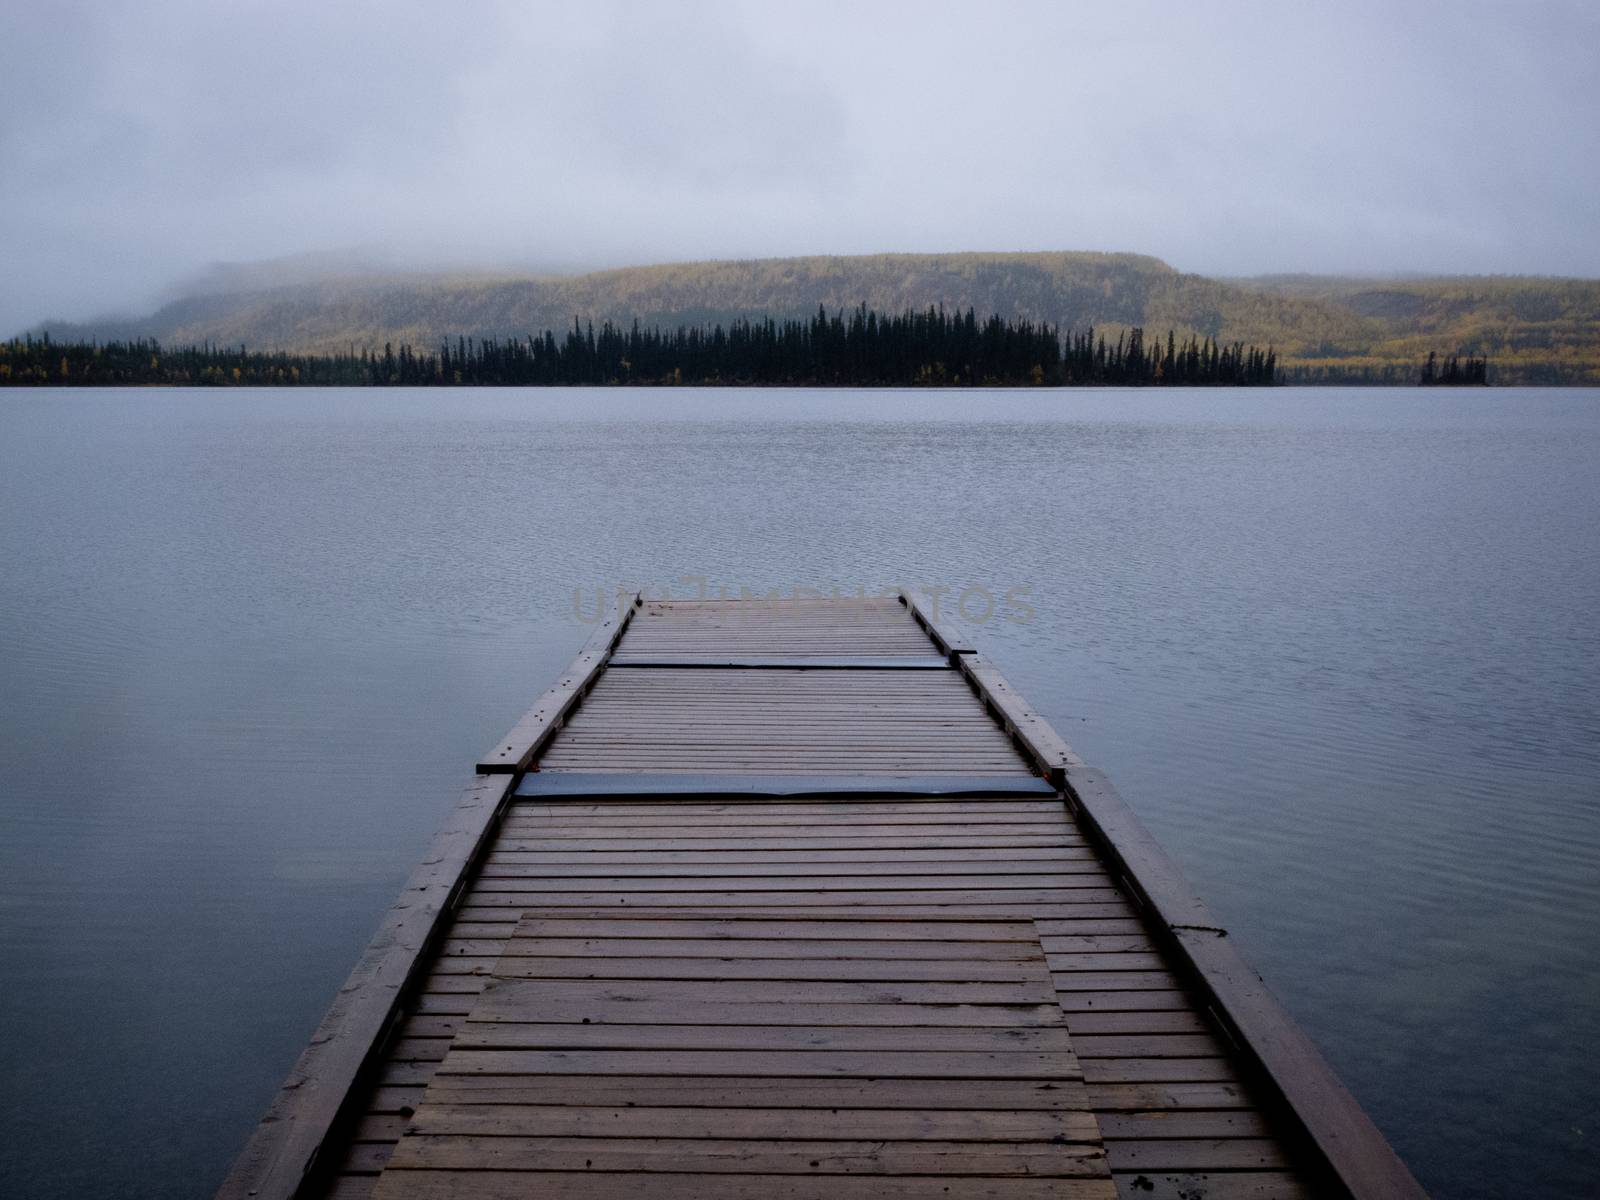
(1532, 329)
(143, 141)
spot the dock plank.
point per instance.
(587, 1184)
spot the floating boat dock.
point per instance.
(799, 899)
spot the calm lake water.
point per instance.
(1340, 649)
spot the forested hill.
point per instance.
(1341, 330)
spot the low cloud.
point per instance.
(141, 142)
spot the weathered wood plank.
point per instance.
(1049, 752)
(804, 816)
(1357, 1153)
(843, 991)
(776, 1092)
(911, 926)
(1212, 1185)
(856, 881)
(1040, 1159)
(747, 1123)
(1176, 1020)
(322, 1084)
(1116, 981)
(524, 839)
(851, 874)
(513, 752)
(885, 906)
(1196, 1154)
(588, 1184)
(1148, 1045)
(725, 947)
(798, 969)
(1180, 1123)
(1023, 898)
(937, 625)
(1170, 1097)
(599, 1035)
(1158, 1070)
(498, 1005)
(1119, 1003)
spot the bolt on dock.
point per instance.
(800, 899)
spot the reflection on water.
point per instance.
(1338, 648)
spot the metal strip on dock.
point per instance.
(799, 662)
(644, 784)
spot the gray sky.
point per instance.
(141, 141)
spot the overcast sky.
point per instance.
(141, 141)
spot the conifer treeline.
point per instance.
(1454, 373)
(929, 347)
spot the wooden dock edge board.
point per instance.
(945, 635)
(512, 753)
(1049, 752)
(1355, 1149)
(314, 1100)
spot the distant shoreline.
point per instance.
(911, 349)
(727, 386)
(1324, 329)
(931, 348)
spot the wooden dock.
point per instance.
(794, 899)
